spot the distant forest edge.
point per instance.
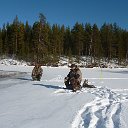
(45, 44)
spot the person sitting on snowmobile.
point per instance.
(37, 72)
(74, 78)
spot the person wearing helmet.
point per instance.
(37, 72)
(74, 78)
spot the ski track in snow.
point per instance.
(102, 112)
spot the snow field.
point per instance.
(31, 104)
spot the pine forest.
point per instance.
(45, 44)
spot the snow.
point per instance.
(12, 62)
(44, 104)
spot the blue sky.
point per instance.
(66, 12)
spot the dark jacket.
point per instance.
(76, 73)
(37, 70)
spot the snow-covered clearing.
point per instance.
(43, 104)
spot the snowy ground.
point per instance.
(29, 104)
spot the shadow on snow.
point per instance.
(27, 79)
(49, 86)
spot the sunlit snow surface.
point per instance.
(44, 104)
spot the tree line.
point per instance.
(44, 43)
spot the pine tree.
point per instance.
(88, 41)
(46, 42)
(96, 42)
(107, 40)
(21, 42)
(126, 43)
(122, 47)
(115, 40)
(28, 42)
(77, 39)
(35, 41)
(55, 40)
(38, 39)
(15, 35)
(67, 42)
(1, 44)
(62, 33)
(10, 41)
(4, 39)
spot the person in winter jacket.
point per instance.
(74, 78)
(37, 72)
